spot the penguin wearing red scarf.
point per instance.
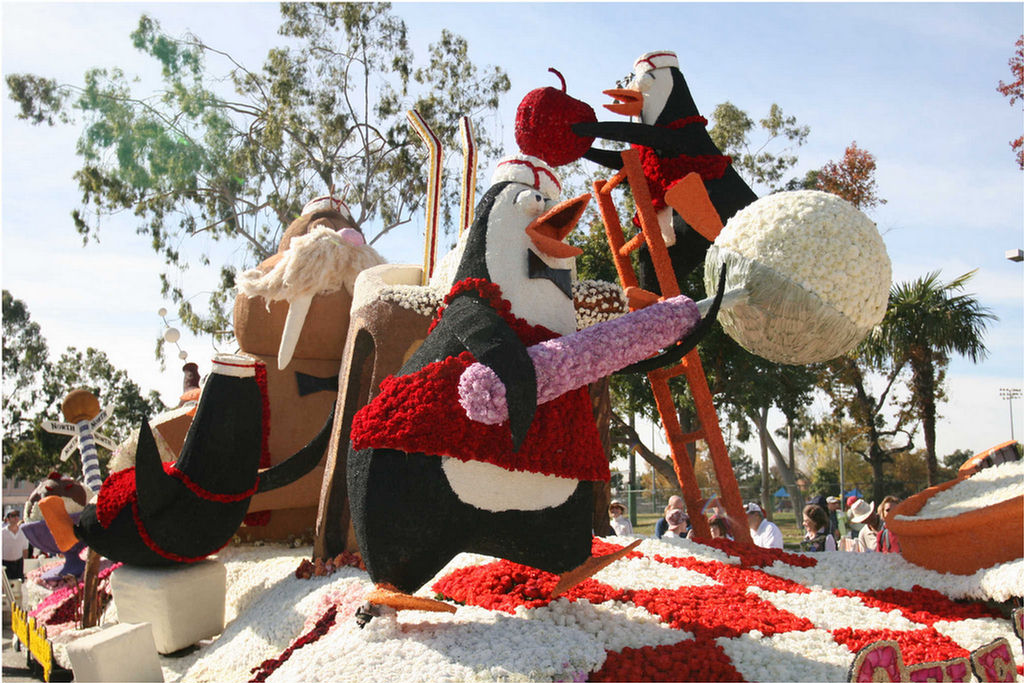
(673, 141)
(424, 481)
(162, 514)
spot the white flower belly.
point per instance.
(496, 489)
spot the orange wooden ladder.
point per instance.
(697, 204)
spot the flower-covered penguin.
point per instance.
(671, 136)
(425, 480)
(158, 514)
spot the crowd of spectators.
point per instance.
(860, 527)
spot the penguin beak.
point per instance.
(629, 102)
(549, 229)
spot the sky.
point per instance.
(914, 84)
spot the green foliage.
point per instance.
(733, 133)
(233, 153)
(927, 320)
(958, 457)
(34, 386)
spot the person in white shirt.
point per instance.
(862, 512)
(763, 533)
(620, 522)
(15, 545)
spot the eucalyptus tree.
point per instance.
(233, 152)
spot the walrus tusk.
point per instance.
(297, 310)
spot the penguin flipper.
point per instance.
(299, 464)
(684, 345)
(154, 488)
(486, 335)
(609, 158)
(665, 140)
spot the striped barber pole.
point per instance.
(90, 458)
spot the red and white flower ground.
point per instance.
(671, 610)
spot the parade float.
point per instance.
(459, 466)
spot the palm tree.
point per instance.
(925, 322)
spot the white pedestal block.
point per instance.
(122, 652)
(184, 604)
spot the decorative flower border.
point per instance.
(692, 612)
(670, 610)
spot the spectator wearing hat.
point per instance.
(836, 517)
(15, 545)
(887, 541)
(620, 522)
(862, 512)
(674, 503)
(763, 533)
(854, 528)
(678, 523)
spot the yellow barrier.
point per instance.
(19, 624)
(40, 647)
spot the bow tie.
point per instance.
(537, 269)
(311, 384)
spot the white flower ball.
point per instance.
(171, 335)
(816, 270)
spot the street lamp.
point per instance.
(1009, 395)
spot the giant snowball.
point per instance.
(816, 271)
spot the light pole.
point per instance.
(842, 482)
(1009, 395)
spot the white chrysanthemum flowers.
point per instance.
(816, 271)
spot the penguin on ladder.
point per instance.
(673, 141)
(426, 482)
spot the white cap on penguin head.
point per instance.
(659, 59)
(529, 171)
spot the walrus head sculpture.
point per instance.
(320, 254)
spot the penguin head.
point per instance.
(658, 93)
(517, 242)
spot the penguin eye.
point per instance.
(530, 202)
(644, 82)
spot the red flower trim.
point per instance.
(420, 413)
(172, 469)
(322, 626)
(491, 293)
(663, 172)
(261, 518)
(729, 575)
(923, 645)
(686, 121)
(717, 611)
(753, 556)
(261, 382)
(166, 554)
(689, 660)
(922, 605)
(118, 490)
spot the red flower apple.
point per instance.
(544, 125)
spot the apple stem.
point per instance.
(560, 77)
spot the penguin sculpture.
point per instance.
(673, 141)
(157, 514)
(426, 482)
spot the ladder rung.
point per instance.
(633, 244)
